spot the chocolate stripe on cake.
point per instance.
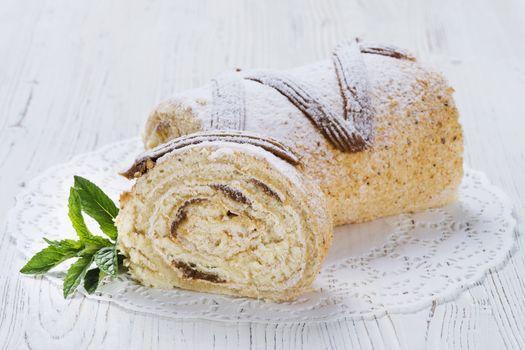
(390, 51)
(352, 77)
(147, 160)
(228, 111)
(335, 129)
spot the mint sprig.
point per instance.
(90, 249)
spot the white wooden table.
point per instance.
(75, 75)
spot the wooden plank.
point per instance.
(77, 75)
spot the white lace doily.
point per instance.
(396, 264)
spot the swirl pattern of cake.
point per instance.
(247, 175)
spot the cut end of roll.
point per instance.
(226, 218)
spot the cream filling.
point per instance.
(257, 245)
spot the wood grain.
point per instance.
(79, 74)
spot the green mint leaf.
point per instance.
(49, 257)
(77, 220)
(75, 215)
(75, 273)
(99, 242)
(65, 244)
(88, 251)
(107, 260)
(97, 205)
(92, 279)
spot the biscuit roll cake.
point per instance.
(224, 212)
(378, 129)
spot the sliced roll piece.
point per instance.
(216, 214)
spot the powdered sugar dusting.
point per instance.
(305, 98)
(228, 111)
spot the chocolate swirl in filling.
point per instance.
(341, 134)
(147, 160)
(182, 214)
(232, 193)
(266, 189)
(189, 271)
